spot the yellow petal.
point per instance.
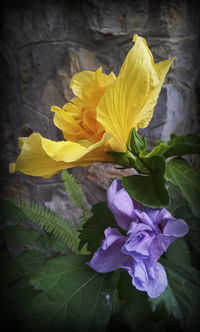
(77, 119)
(67, 122)
(80, 80)
(42, 157)
(129, 102)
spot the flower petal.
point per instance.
(148, 277)
(80, 80)
(176, 227)
(144, 217)
(42, 157)
(66, 122)
(130, 101)
(139, 243)
(120, 204)
(109, 257)
(158, 215)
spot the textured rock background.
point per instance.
(44, 43)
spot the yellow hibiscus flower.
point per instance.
(99, 118)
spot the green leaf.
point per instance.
(183, 211)
(93, 230)
(8, 210)
(182, 293)
(136, 308)
(181, 174)
(31, 261)
(159, 149)
(177, 146)
(179, 252)
(149, 190)
(10, 270)
(55, 244)
(74, 297)
(20, 235)
(16, 293)
(182, 145)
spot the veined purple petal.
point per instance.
(176, 227)
(120, 204)
(144, 218)
(139, 242)
(173, 229)
(158, 215)
(136, 227)
(148, 277)
(109, 256)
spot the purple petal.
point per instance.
(136, 227)
(158, 215)
(173, 229)
(159, 245)
(176, 227)
(120, 204)
(139, 242)
(148, 277)
(144, 217)
(109, 257)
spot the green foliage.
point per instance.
(183, 211)
(182, 293)
(19, 235)
(73, 189)
(75, 193)
(43, 291)
(181, 174)
(8, 210)
(136, 307)
(183, 145)
(149, 190)
(15, 291)
(177, 146)
(31, 261)
(92, 232)
(73, 297)
(48, 220)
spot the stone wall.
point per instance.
(44, 43)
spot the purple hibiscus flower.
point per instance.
(149, 234)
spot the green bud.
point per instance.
(135, 143)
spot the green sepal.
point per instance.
(120, 158)
(135, 143)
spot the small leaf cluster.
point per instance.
(164, 164)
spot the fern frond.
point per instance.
(86, 215)
(75, 193)
(48, 220)
(73, 189)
